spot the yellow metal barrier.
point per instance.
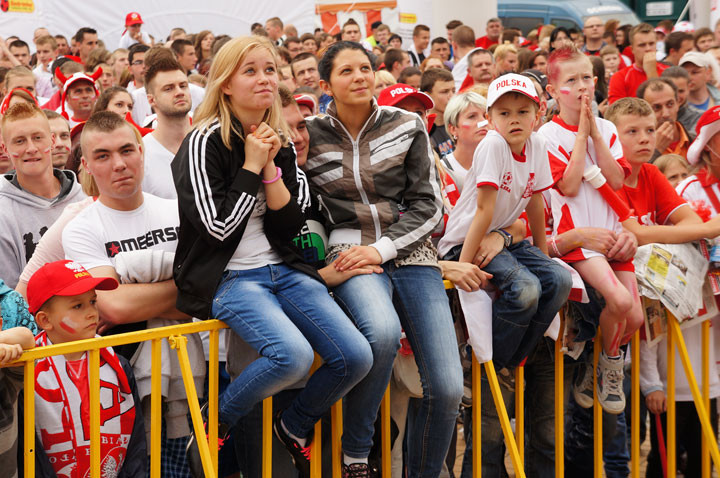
(635, 407)
(560, 402)
(597, 412)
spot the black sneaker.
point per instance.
(506, 378)
(300, 455)
(356, 470)
(192, 452)
(583, 386)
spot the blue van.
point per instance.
(527, 14)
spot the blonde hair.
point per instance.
(628, 106)
(217, 105)
(502, 51)
(666, 160)
(384, 76)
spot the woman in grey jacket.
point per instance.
(371, 169)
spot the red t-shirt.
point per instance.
(653, 199)
(625, 82)
(485, 42)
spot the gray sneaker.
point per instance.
(583, 386)
(506, 377)
(610, 384)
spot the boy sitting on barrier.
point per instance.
(12, 343)
(577, 141)
(62, 296)
(510, 170)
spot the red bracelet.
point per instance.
(277, 176)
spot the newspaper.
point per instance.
(675, 275)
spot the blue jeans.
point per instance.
(285, 314)
(534, 288)
(412, 297)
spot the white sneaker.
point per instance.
(583, 386)
(610, 384)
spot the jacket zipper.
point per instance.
(356, 175)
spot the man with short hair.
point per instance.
(626, 81)
(493, 30)
(46, 48)
(19, 77)
(178, 33)
(701, 94)
(372, 40)
(169, 95)
(440, 85)
(440, 47)
(481, 67)
(136, 57)
(304, 69)
(382, 34)
(40, 32)
(274, 29)
(185, 54)
(676, 45)
(593, 30)
(450, 28)
(670, 135)
(419, 49)
(133, 33)
(86, 40)
(463, 43)
(60, 129)
(34, 195)
(63, 47)
(79, 96)
(293, 45)
(396, 61)
(687, 115)
(21, 51)
(350, 31)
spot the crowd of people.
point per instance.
(313, 191)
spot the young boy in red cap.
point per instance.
(62, 296)
(132, 34)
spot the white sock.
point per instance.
(348, 460)
(301, 441)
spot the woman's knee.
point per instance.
(293, 358)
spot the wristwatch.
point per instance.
(507, 237)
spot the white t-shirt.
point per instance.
(458, 172)
(141, 105)
(588, 208)
(460, 70)
(99, 233)
(158, 178)
(126, 41)
(254, 249)
(693, 187)
(516, 178)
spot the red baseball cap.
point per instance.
(392, 95)
(133, 18)
(707, 126)
(63, 278)
(307, 100)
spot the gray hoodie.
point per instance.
(24, 218)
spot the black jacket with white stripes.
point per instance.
(216, 197)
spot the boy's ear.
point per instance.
(550, 88)
(43, 320)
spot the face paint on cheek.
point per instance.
(15, 155)
(564, 90)
(68, 325)
(482, 124)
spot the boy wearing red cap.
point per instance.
(133, 34)
(510, 170)
(62, 297)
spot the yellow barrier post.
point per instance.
(29, 405)
(386, 453)
(706, 392)
(520, 412)
(336, 416)
(559, 402)
(267, 435)
(213, 385)
(476, 418)
(635, 407)
(702, 412)
(670, 422)
(504, 420)
(94, 383)
(316, 446)
(179, 342)
(597, 412)
(156, 408)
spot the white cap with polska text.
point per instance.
(509, 83)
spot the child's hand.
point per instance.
(584, 128)
(594, 131)
(10, 353)
(656, 402)
(490, 247)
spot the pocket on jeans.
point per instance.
(226, 282)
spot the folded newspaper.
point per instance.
(674, 274)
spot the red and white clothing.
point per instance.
(653, 199)
(625, 82)
(516, 177)
(62, 410)
(702, 187)
(485, 42)
(587, 208)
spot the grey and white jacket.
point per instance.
(380, 189)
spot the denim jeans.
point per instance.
(534, 288)
(539, 418)
(412, 297)
(285, 314)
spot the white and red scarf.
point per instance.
(62, 404)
